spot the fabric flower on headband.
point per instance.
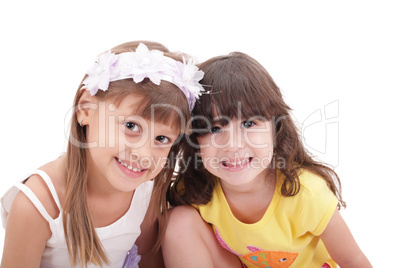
(141, 64)
(187, 78)
(147, 64)
(101, 73)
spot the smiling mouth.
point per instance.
(237, 164)
(129, 166)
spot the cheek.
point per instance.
(92, 132)
(210, 158)
(202, 140)
(205, 146)
(103, 133)
(259, 140)
(265, 157)
(160, 158)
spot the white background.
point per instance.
(345, 55)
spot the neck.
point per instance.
(249, 203)
(262, 183)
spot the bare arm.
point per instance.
(341, 245)
(187, 233)
(26, 235)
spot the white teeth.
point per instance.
(234, 164)
(128, 166)
(133, 168)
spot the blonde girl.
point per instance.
(88, 207)
(270, 204)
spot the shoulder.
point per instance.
(311, 183)
(26, 223)
(26, 228)
(215, 205)
(26, 231)
(315, 203)
(55, 171)
(319, 199)
(314, 194)
(24, 212)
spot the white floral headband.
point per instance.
(145, 63)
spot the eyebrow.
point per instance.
(168, 129)
(223, 121)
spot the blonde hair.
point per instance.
(83, 243)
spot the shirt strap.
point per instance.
(35, 201)
(50, 185)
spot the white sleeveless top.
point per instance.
(117, 238)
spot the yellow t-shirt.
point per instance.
(288, 233)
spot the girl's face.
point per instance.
(238, 151)
(125, 149)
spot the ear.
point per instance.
(84, 105)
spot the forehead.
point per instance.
(131, 104)
(240, 114)
(158, 116)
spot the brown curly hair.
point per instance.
(237, 80)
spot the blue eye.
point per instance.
(215, 130)
(162, 139)
(247, 124)
(132, 126)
